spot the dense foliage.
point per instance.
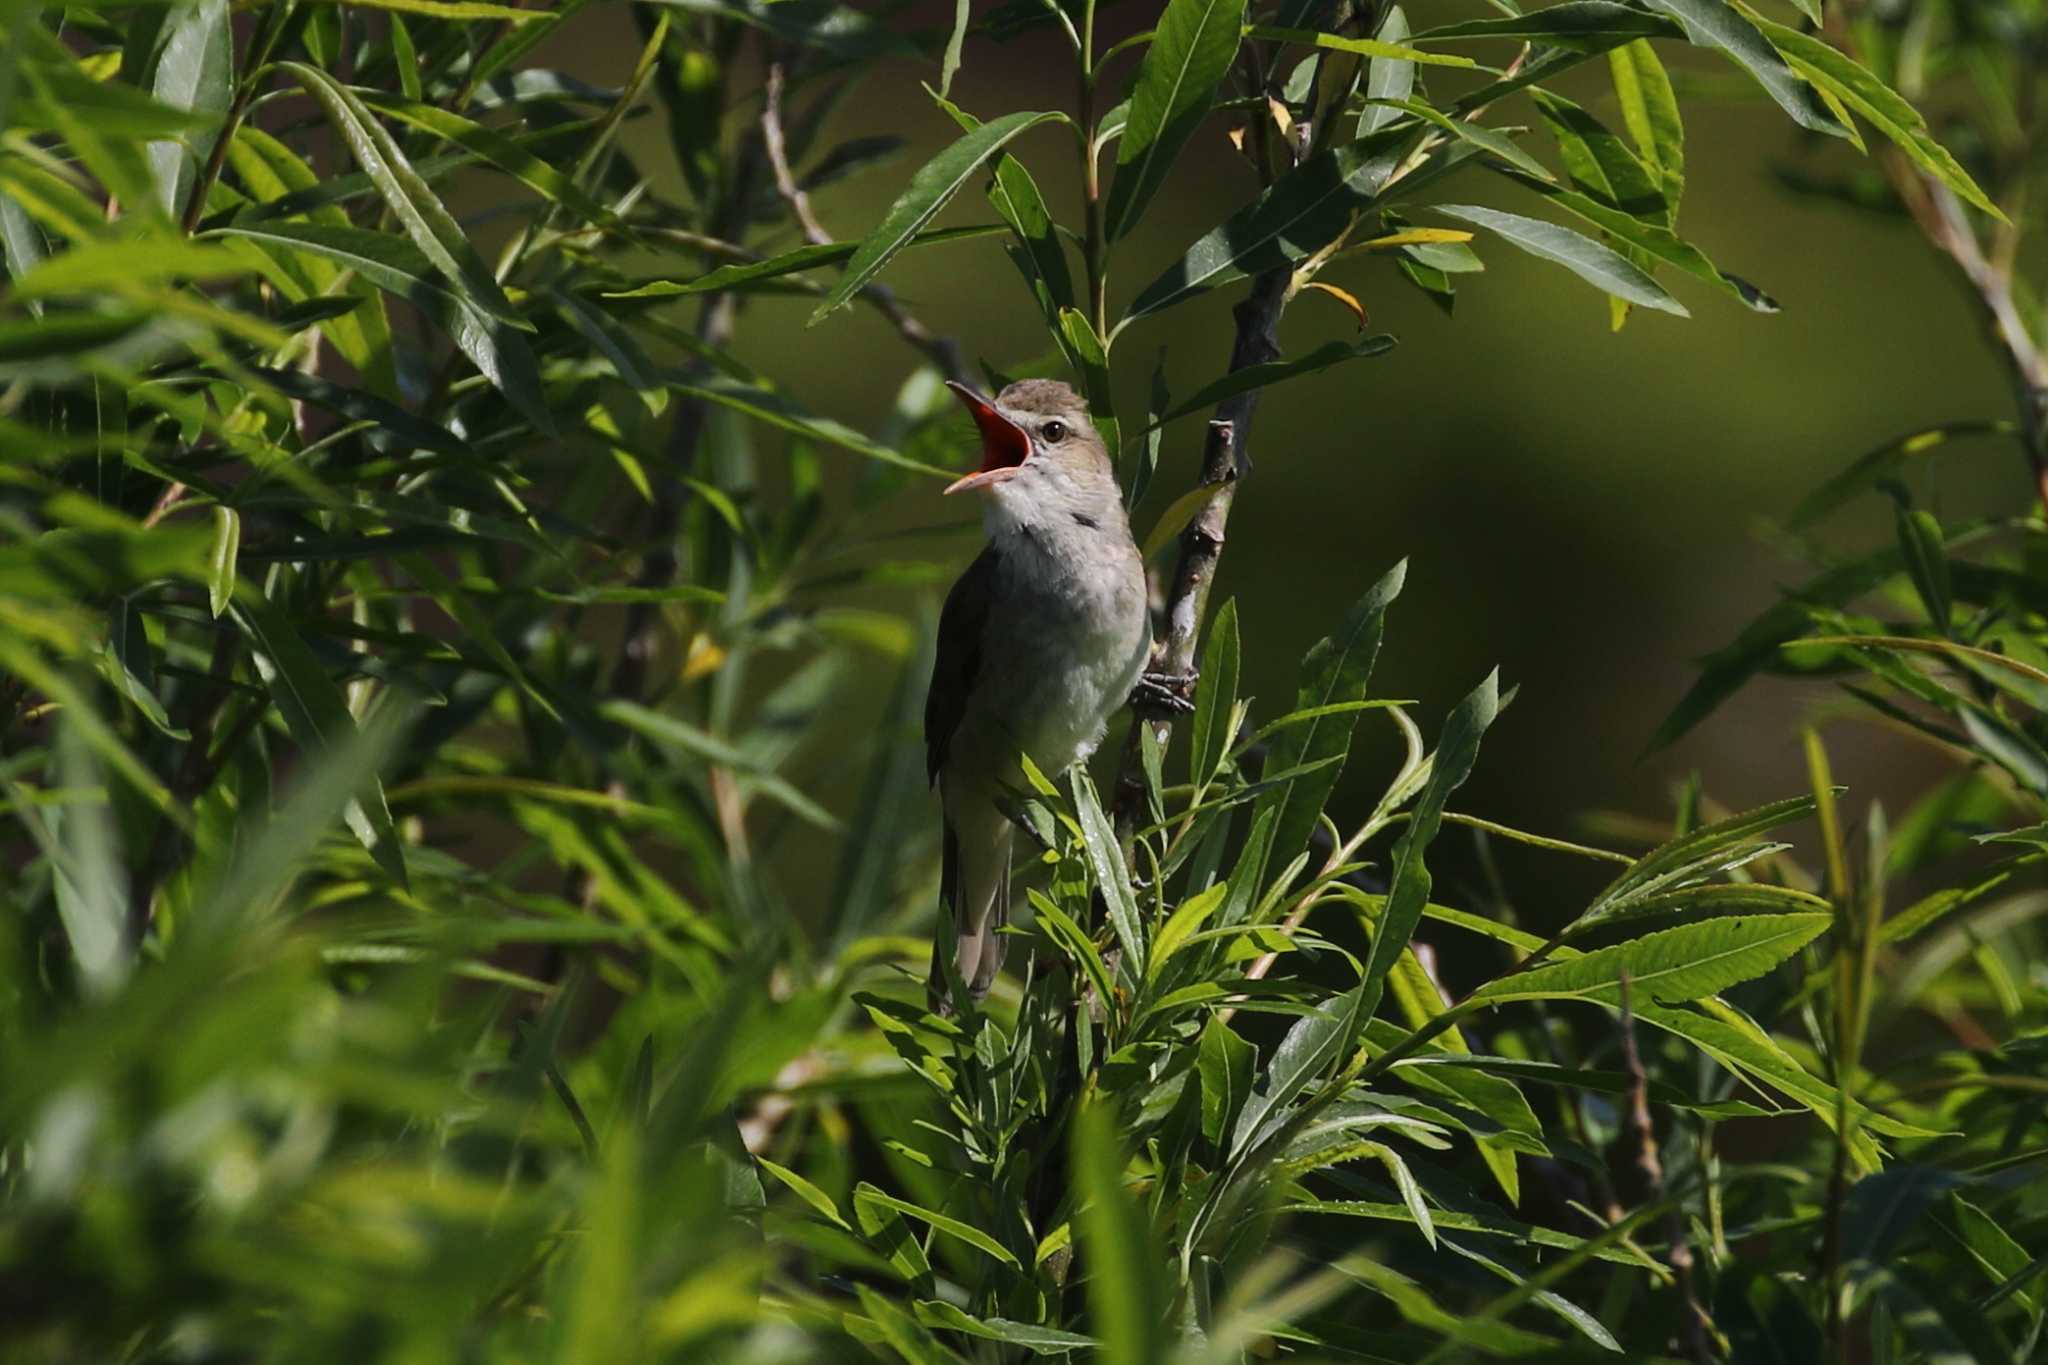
(463, 903)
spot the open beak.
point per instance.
(1004, 444)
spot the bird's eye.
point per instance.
(1054, 431)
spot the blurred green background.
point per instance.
(1587, 509)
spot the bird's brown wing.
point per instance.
(963, 622)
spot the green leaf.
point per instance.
(1177, 516)
(1320, 1039)
(395, 265)
(1300, 213)
(1388, 80)
(837, 30)
(1337, 670)
(1653, 241)
(1662, 866)
(1597, 265)
(1106, 864)
(805, 1191)
(1884, 461)
(1061, 929)
(1085, 348)
(1040, 1340)
(1926, 560)
(317, 715)
(882, 1224)
(223, 558)
(1580, 25)
(1601, 164)
(934, 185)
(1225, 1063)
(1670, 966)
(1839, 74)
(1216, 698)
(1271, 372)
(1128, 1296)
(1716, 24)
(1649, 110)
(1376, 48)
(1989, 1246)
(1185, 920)
(455, 11)
(737, 277)
(195, 72)
(768, 406)
(501, 151)
(609, 338)
(1409, 878)
(88, 870)
(1190, 53)
(411, 200)
(1479, 135)
(866, 1195)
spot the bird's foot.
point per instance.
(1164, 696)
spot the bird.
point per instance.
(1043, 637)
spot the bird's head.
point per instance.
(1037, 443)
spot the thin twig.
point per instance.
(944, 352)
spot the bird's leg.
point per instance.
(1164, 696)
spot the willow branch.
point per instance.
(943, 351)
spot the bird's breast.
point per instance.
(1067, 647)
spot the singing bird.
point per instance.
(1042, 638)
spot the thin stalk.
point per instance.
(1094, 250)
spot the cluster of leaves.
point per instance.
(425, 672)
(1937, 641)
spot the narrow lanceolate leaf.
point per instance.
(1106, 862)
(931, 189)
(1190, 52)
(1379, 49)
(1653, 241)
(865, 1195)
(1015, 196)
(1387, 79)
(195, 73)
(1888, 112)
(748, 274)
(458, 10)
(1597, 265)
(1128, 1293)
(411, 200)
(1655, 870)
(222, 558)
(1649, 110)
(776, 410)
(317, 715)
(1209, 733)
(1580, 25)
(1043, 1341)
(1086, 350)
(1673, 965)
(1409, 879)
(1317, 1041)
(1302, 212)
(1478, 134)
(1274, 371)
(1337, 670)
(1716, 24)
(501, 151)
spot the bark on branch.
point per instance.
(1226, 459)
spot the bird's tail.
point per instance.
(974, 893)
